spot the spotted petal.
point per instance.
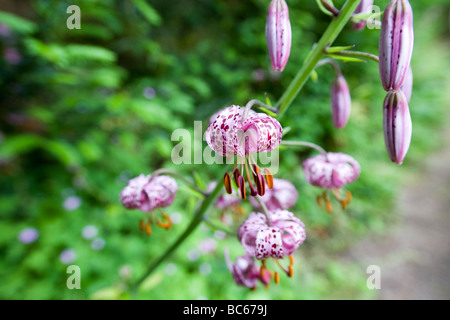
(269, 243)
(130, 196)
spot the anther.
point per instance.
(227, 183)
(236, 175)
(291, 272)
(166, 225)
(261, 184)
(349, 196)
(344, 204)
(148, 229)
(241, 186)
(269, 178)
(141, 225)
(328, 206)
(319, 200)
(277, 277)
(255, 169)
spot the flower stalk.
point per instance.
(330, 34)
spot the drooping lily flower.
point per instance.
(331, 171)
(282, 196)
(276, 238)
(397, 125)
(340, 102)
(245, 272)
(231, 135)
(396, 44)
(278, 34)
(363, 7)
(147, 194)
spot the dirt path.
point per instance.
(414, 256)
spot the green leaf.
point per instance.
(17, 23)
(346, 59)
(16, 145)
(148, 12)
(63, 151)
(338, 48)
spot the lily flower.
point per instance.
(230, 134)
(148, 193)
(331, 171)
(274, 236)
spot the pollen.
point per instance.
(277, 277)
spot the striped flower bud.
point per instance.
(278, 34)
(397, 125)
(396, 44)
(340, 102)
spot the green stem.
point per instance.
(330, 34)
(195, 222)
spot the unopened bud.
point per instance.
(340, 102)
(396, 44)
(278, 34)
(397, 125)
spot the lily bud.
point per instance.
(397, 125)
(363, 7)
(340, 102)
(278, 34)
(396, 44)
(407, 84)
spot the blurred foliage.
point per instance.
(82, 111)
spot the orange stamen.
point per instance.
(319, 200)
(349, 196)
(148, 229)
(277, 277)
(141, 225)
(328, 206)
(269, 178)
(227, 183)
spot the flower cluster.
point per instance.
(271, 231)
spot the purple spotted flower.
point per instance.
(340, 102)
(397, 125)
(331, 171)
(245, 272)
(276, 238)
(231, 135)
(259, 132)
(148, 193)
(282, 196)
(278, 34)
(281, 237)
(396, 44)
(363, 7)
